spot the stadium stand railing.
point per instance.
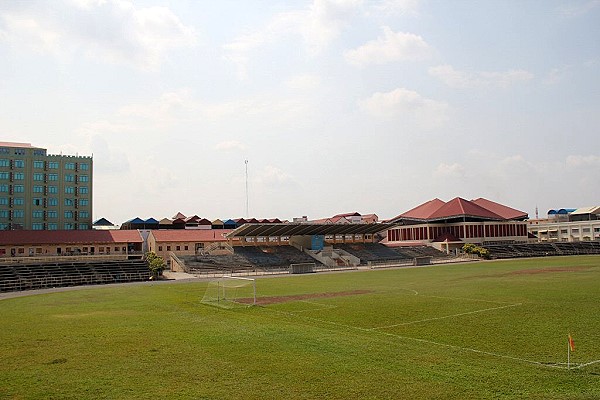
(32, 276)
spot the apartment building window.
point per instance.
(178, 248)
(69, 190)
(38, 189)
(84, 178)
(68, 214)
(3, 201)
(38, 164)
(83, 190)
(19, 164)
(4, 213)
(4, 163)
(68, 226)
(38, 214)
(53, 214)
(3, 227)
(37, 201)
(38, 177)
(3, 188)
(69, 178)
(69, 165)
(19, 201)
(19, 188)
(52, 226)
(18, 214)
(39, 152)
(69, 202)
(53, 177)
(53, 164)
(19, 176)
(4, 175)
(83, 166)
(20, 152)
(84, 202)
(52, 201)
(84, 227)
(168, 248)
(84, 214)
(53, 189)
(4, 150)
(37, 226)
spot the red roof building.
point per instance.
(50, 243)
(449, 225)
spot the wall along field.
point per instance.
(472, 331)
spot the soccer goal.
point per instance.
(230, 292)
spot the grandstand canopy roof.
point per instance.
(300, 229)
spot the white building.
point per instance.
(567, 225)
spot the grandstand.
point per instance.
(42, 275)
(246, 259)
(514, 250)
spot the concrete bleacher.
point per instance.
(248, 258)
(32, 276)
(516, 250)
(410, 252)
(369, 252)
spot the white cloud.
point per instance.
(318, 25)
(579, 161)
(393, 46)
(575, 10)
(229, 145)
(111, 31)
(479, 79)
(408, 105)
(454, 170)
(304, 82)
(398, 7)
(274, 177)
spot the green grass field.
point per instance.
(492, 330)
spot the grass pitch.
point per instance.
(491, 330)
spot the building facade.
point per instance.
(40, 191)
(447, 226)
(567, 225)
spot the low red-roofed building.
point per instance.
(185, 242)
(28, 243)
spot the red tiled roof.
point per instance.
(190, 235)
(458, 207)
(423, 211)
(14, 144)
(500, 209)
(27, 237)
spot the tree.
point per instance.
(156, 264)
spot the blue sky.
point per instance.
(338, 105)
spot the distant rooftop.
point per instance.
(15, 144)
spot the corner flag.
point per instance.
(571, 343)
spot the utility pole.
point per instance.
(247, 213)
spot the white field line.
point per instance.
(586, 364)
(450, 346)
(466, 299)
(445, 316)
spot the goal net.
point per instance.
(230, 292)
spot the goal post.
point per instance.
(230, 292)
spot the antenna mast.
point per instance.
(247, 214)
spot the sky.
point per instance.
(373, 106)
